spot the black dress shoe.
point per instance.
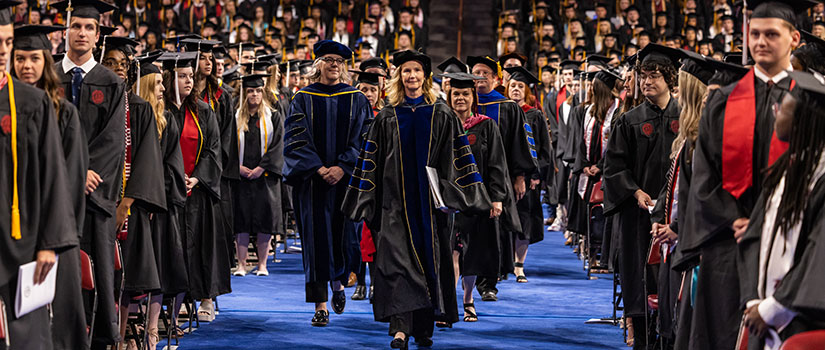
(321, 318)
(489, 296)
(424, 341)
(372, 295)
(339, 301)
(360, 291)
(399, 343)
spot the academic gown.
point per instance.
(166, 227)
(67, 307)
(637, 157)
(712, 209)
(323, 128)
(144, 186)
(206, 252)
(47, 216)
(258, 201)
(530, 210)
(680, 261)
(521, 160)
(478, 233)
(390, 192)
(800, 290)
(586, 157)
(102, 116)
(557, 179)
(576, 213)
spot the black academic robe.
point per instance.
(323, 128)
(206, 252)
(711, 210)
(166, 228)
(530, 210)
(576, 206)
(390, 191)
(258, 202)
(68, 317)
(192, 19)
(102, 116)
(586, 157)
(801, 288)
(43, 198)
(557, 179)
(478, 233)
(637, 157)
(680, 261)
(144, 186)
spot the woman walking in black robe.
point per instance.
(414, 279)
(258, 193)
(206, 251)
(476, 252)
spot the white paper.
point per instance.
(31, 297)
(435, 191)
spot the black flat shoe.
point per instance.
(469, 313)
(520, 278)
(424, 342)
(372, 295)
(489, 296)
(321, 318)
(360, 291)
(339, 301)
(399, 343)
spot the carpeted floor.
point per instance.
(547, 313)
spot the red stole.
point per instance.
(190, 142)
(560, 98)
(738, 135)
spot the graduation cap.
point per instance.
(509, 25)
(810, 83)
(405, 56)
(515, 55)
(34, 37)
(661, 14)
(472, 61)
(611, 35)
(210, 24)
(522, 75)
(329, 47)
(607, 77)
(146, 63)
(631, 8)
(5, 11)
(697, 66)
(231, 74)
(253, 80)
(220, 52)
(726, 73)
(243, 46)
(655, 53)
(58, 56)
(106, 30)
(257, 66)
(570, 64)
(305, 67)
(367, 77)
(271, 58)
(810, 39)
(785, 9)
(199, 45)
(122, 43)
(597, 60)
(173, 60)
(244, 25)
(405, 32)
(83, 8)
(374, 62)
(462, 80)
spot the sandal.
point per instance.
(470, 315)
(206, 315)
(153, 338)
(520, 278)
(177, 332)
(442, 324)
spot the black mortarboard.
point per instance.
(548, 39)
(631, 8)
(785, 9)
(402, 57)
(697, 66)
(570, 64)
(819, 23)
(33, 37)
(244, 25)
(509, 25)
(461, 80)
(472, 61)
(257, 66)
(327, 47)
(211, 24)
(374, 62)
(810, 39)
(253, 80)
(122, 43)
(5, 11)
(172, 60)
(231, 74)
(726, 73)
(690, 28)
(219, 52)
(146, 63)
(271, 58)
(579, 49)
(405, 32)
(406, 10)
(607, 77)
(367, 77)
(515, 55)
(726, 16)
(84, 8)
(522, 75)
(655, 53)
(106, 30)
(597, 60)
(244, 46)
(811, 83)
(611, 35)
(661, 14)
(511, 39)
(199, 45)
(58, 56)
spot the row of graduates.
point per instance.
(699, 180)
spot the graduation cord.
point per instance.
(15, 202)
(127, 164)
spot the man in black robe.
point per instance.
(635, 166)
(736, 142)
(35, 192)
(99, 96)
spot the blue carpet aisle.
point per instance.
(546, 313)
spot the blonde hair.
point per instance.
(692, 92)
(315, 74)
(271, 86)
(243, 112)
(147, 92)
(395, 89)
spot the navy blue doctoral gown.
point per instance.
(323, 128)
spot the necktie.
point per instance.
(77, 80)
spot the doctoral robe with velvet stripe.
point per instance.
(323, 128)
(389, 190)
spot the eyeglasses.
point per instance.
(332, 60)
(113, 63)
(651, 76)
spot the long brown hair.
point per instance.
(190, 102)
(147, 92)
(49, 81)
(692, 92)
(473, 107)
(601, 97)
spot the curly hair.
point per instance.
(669, 72)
